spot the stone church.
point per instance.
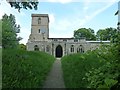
(39, 40)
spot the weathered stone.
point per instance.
(58, 47)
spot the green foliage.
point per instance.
(27, 4)
(9, 32)
(110, 82)
(85, 33)
(22, 46)
(77, 65)
(106, 34)
(25, 69)
(103, 76)
(107, 76)
(94, 69)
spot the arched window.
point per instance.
(80, 49)
(36, 48)
(72, 48)
(39, 20)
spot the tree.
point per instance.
(9, 32)
(18, 4)
(85, 33)
(111, 68)
(106, 34)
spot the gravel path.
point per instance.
(55, 78)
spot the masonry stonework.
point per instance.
(39, 40)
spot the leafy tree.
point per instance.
(25, 4)
(9, 32)
(108, 75)
(106, 34)
(85, 33)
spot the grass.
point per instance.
(25, 69)
(75, 67)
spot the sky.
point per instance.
(66, 16)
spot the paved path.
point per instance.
(55, 78)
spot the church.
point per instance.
(58, 47)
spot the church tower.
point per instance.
(39, 27)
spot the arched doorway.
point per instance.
(59, 51)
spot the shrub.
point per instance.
(107, 76)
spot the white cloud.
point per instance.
(5, 8)
(59, 34)
(86, 5)
(68, 25)
(52, 18)
(62, 25)
(1, 14)
(87, 18)
(24, 33)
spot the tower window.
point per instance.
(39, 20)
(39, 31)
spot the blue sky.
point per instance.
(66, 16)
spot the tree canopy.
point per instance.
(85, 33)
(106, 34)
(9, 32)
(26, 4)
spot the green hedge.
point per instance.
(75, 67)
(107, 76)
(25, 69)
